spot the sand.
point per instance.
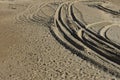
(41, 40)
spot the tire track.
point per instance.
(31, 14)
(107, 50)
(98, 37)
(63, 28)
(76, 35)
(107, 10)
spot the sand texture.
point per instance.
(59, 40)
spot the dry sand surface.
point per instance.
(59, 39)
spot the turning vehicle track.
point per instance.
(88, 41)
(77, 36)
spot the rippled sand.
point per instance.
(61, 40)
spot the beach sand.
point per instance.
(30, 51)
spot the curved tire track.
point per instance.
(64, 28)
(75, 35)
